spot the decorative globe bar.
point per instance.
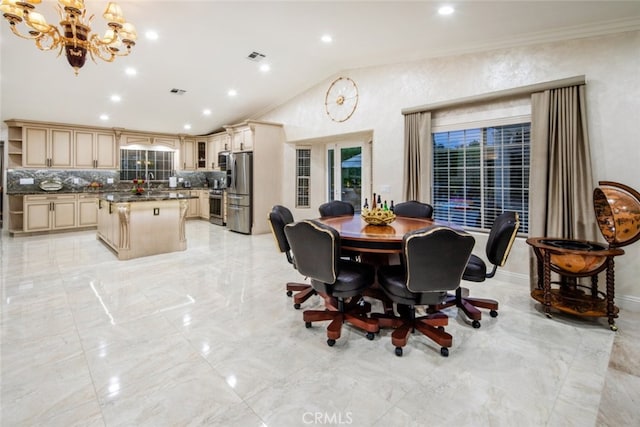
(617, 210)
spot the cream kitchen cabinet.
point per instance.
(242, 139)
(87, 210)
(188, 154)
(95, 150)
(194, 204)
(204, 204)
(48, 212)
(202, 158)
(47, 147)
(217, 143)
(108, 223)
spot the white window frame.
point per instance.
(481, 125)
(299, 195)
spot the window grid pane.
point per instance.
(480, 173)
(139, 163)
(303, 177)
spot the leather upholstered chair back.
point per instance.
(279, 217)
(414, 209)
(501, 238)
(336, 208)
(436, 257)
(316, 248)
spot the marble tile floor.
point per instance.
(208, 337)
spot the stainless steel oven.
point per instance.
(216, 206)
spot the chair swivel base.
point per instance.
(337, 318)
(470, 306)
(432, 326)
(304, 292)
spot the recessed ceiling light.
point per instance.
(265, 67)
(116, 98)
(206, 112)
(187, 126)
(446, 10)
(104, 117)
(131, 71)
(232, 92)
(151, 35)
(326, 38)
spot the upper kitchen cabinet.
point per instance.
(188, 154)
(201, 153)
(48, 145)
(242, 139)
(95, 150)
(215, 144)
(45, 147)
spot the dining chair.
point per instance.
(413, 209)
(501, 237)
(339, 208)
(316, 251)
(436, 257)
(336, 208)
(279, 217)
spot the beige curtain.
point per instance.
(560, 182)
(417, 154)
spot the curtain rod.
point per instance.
(491, 96)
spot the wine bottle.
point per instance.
(391, 208)
(385, 207)
(379, 200)
(366, 203)
(373, 201)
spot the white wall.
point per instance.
(611, 65)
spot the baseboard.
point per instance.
(624, 302)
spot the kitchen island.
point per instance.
(135, 226)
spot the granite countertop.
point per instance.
(99, 193)
(146, 197)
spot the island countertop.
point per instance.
(146, 197)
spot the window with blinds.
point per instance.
(479, 173)
(303, 177)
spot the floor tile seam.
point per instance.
(86, 360)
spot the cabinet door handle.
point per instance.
(242, 146)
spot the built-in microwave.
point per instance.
(223, 160)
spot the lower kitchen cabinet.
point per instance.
(87, 210)
(204, 204)
(44, 213)
(194, 205)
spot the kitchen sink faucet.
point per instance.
(149, 178)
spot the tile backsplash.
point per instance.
(76, 180)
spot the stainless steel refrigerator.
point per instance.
(239, 187)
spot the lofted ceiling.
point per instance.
(203, 46)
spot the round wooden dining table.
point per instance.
(357, 235)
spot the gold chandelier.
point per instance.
(75, 35)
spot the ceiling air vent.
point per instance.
(256, 56)
(178, 91)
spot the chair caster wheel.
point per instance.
(475, 324)
(399, 351)
(370, 336)
(613, 327)
(307, 324)
(441, 328)
(493, 313)
(331, 342)
(549, 315)
(444, 351)
(296, 306)
(289, 293)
